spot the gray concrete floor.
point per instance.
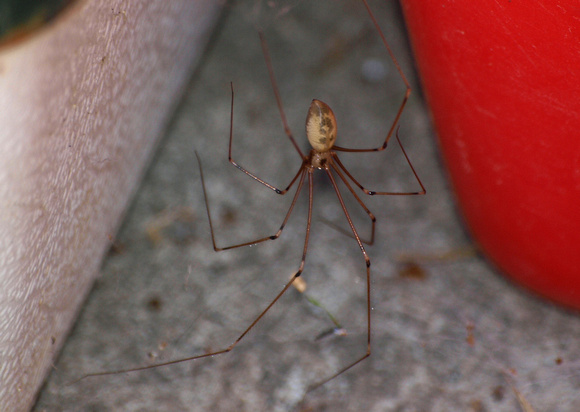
(455, 337)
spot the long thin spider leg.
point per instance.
(261, 315)
(232, 161)
(344, 231)
(277, 93)
(308, 221)
(372, 192)
(360, 202)
(302, 171)
(368, 280)
(403, 103)
(205, 355)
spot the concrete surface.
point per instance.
(450, 334)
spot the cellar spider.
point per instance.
(321, 132)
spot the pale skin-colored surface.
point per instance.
(444, 340)
(82, 104)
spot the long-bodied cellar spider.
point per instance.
(321, 131)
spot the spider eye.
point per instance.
(320, 126)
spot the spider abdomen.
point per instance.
(320, 126)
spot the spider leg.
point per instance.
(361, 203)
(405, 98)
(368, 286)
(205, 355)
(301, 173)
(372, 192)
(232, 161)
(261, 315)
(277, 93)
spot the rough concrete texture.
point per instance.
(449, 333)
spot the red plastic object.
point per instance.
(502, 80)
